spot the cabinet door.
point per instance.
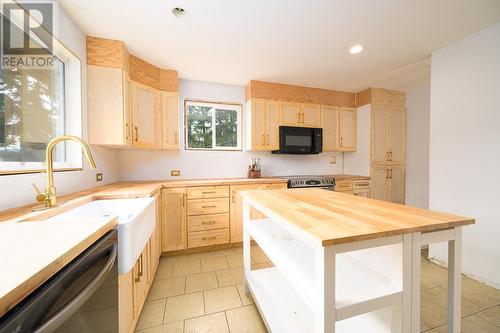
(311, 115)
(379, 135)
(141, 283)
(396, 143)
(146, 116)
(174, 233)
(258, 124)
(108, 112)
(236, 211)
(290, 114)
(397, 186)
(273, 124)
(347, 126)
(170, 120)
(329, 119)
(379, 189)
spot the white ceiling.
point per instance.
(303, 42)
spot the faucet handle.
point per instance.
(40, 197)
(37, 190)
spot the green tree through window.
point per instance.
(213, 126)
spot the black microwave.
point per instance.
(300, 140)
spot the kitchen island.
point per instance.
(344, 263)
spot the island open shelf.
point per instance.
(356, 283)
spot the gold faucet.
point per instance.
(49, 196)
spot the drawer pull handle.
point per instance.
(212, 206)
(208, 238)
(208, 192)
(210, 222)
(362, 184)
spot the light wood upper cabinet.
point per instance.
(396, 136)
(388, 128)
(258, 125)
(380, 133)
(347, 125)
(170, 120)
(295, 114)
(146, 116)
(263, 133)
(290, 114)
(174, 228)
(310, 115)
(109, 115)
(330, 124)
(272, 125)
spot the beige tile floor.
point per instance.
(204, 292)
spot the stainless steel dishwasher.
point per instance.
(81, 297)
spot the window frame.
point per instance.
(73, 115)
(238, 107)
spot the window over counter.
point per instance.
(213, 126)
(40, 95)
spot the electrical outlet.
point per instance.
(98, 177)
(332, 159)
(175, 173)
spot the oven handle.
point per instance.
(69, 309)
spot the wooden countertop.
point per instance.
(341, 177)
(335, 218)
(32, 252)
(120, 190)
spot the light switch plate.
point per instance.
(332, 159)
(98, 177)
(175, 173)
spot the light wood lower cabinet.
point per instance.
(388, 183)
(196, 216)
(174, 231)
(236, 211)
(361, 188)
(236, 207)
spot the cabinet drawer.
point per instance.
(208, 206)
(201, 192)
(279, 186)
(343, 186)
(361, 184)
(208, 222)
(206, 238)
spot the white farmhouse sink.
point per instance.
(136, 222)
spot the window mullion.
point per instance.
(214, 128)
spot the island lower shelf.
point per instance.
(359, 288)
(285, 311)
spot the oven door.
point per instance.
(296, 140)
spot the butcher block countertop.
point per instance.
(122, 190)
(331, 218)
(32, 252)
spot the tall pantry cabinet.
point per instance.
(387, 154)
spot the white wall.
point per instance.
(417, 145)
(358, 162)
(135, 165)
(17, 190)
(465, 146)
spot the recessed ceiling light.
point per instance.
(356, 49)
(180, 13)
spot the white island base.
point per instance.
(370, 285)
